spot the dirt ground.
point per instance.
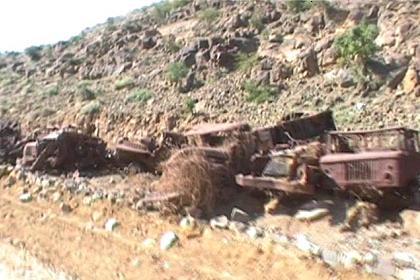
(77, 244)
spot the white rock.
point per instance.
(188, 223)
(149, 243)
(311, 215)
(404, 259)
(370, 258)
(237, 227)
(331, 258)
(26, 197)
(254, 232)
(351, 259)
(56, 197)
(168, 240)
(111, 224)
(280, 239)
(408, 274)
(305, 245)
(219, 222)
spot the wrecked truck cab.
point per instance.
(287, 157)
(383, 160)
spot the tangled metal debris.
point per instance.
(65, 149)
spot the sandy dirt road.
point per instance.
(77, 244)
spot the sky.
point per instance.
(25, 23)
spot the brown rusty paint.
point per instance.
(65, 149)
(374, 163)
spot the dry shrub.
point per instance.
(198, 179)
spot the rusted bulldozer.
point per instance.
(65, 149)
(11, 142)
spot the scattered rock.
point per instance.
(403, 259)
(331, 258)
(26, 197)
(370, 259)
(408, 274)
(221, 222)
(254, 232)
(308, 247)
(238, 215)
(311, 215)
(168, 240)
(237, 227)
(351, 259)
(56, 197)
(411, 221)
(111, 224)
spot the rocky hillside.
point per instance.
(181, 62)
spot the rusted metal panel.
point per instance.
(214, 128)
(385, 158)
(274, 184)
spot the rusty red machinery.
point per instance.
(287, 156)
(65, 149)
(384, 160)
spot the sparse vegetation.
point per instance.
(245, 62)
(162, 9)
(177, 71)
(171, 45)
(34, 52)
(190, 105)
(299, 5)
(124, 83)
(209, 15)
(52, 91)
(357, 43)
(93, 107)
(86, 93)
(256, 20)
(139, 96)
(259, 94)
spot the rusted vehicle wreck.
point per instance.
(374, 163)
(287, 157)
(64, 149)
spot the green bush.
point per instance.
(93, 107)
(52, 91)
(245, 62)
(190, 105)
(299, 5)
(139, 96)
(177, 71)
(209, 15)
(259, 94)
(34, 52)
(124, 83)
(256, 20)
(358, 42)
(87, 93)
